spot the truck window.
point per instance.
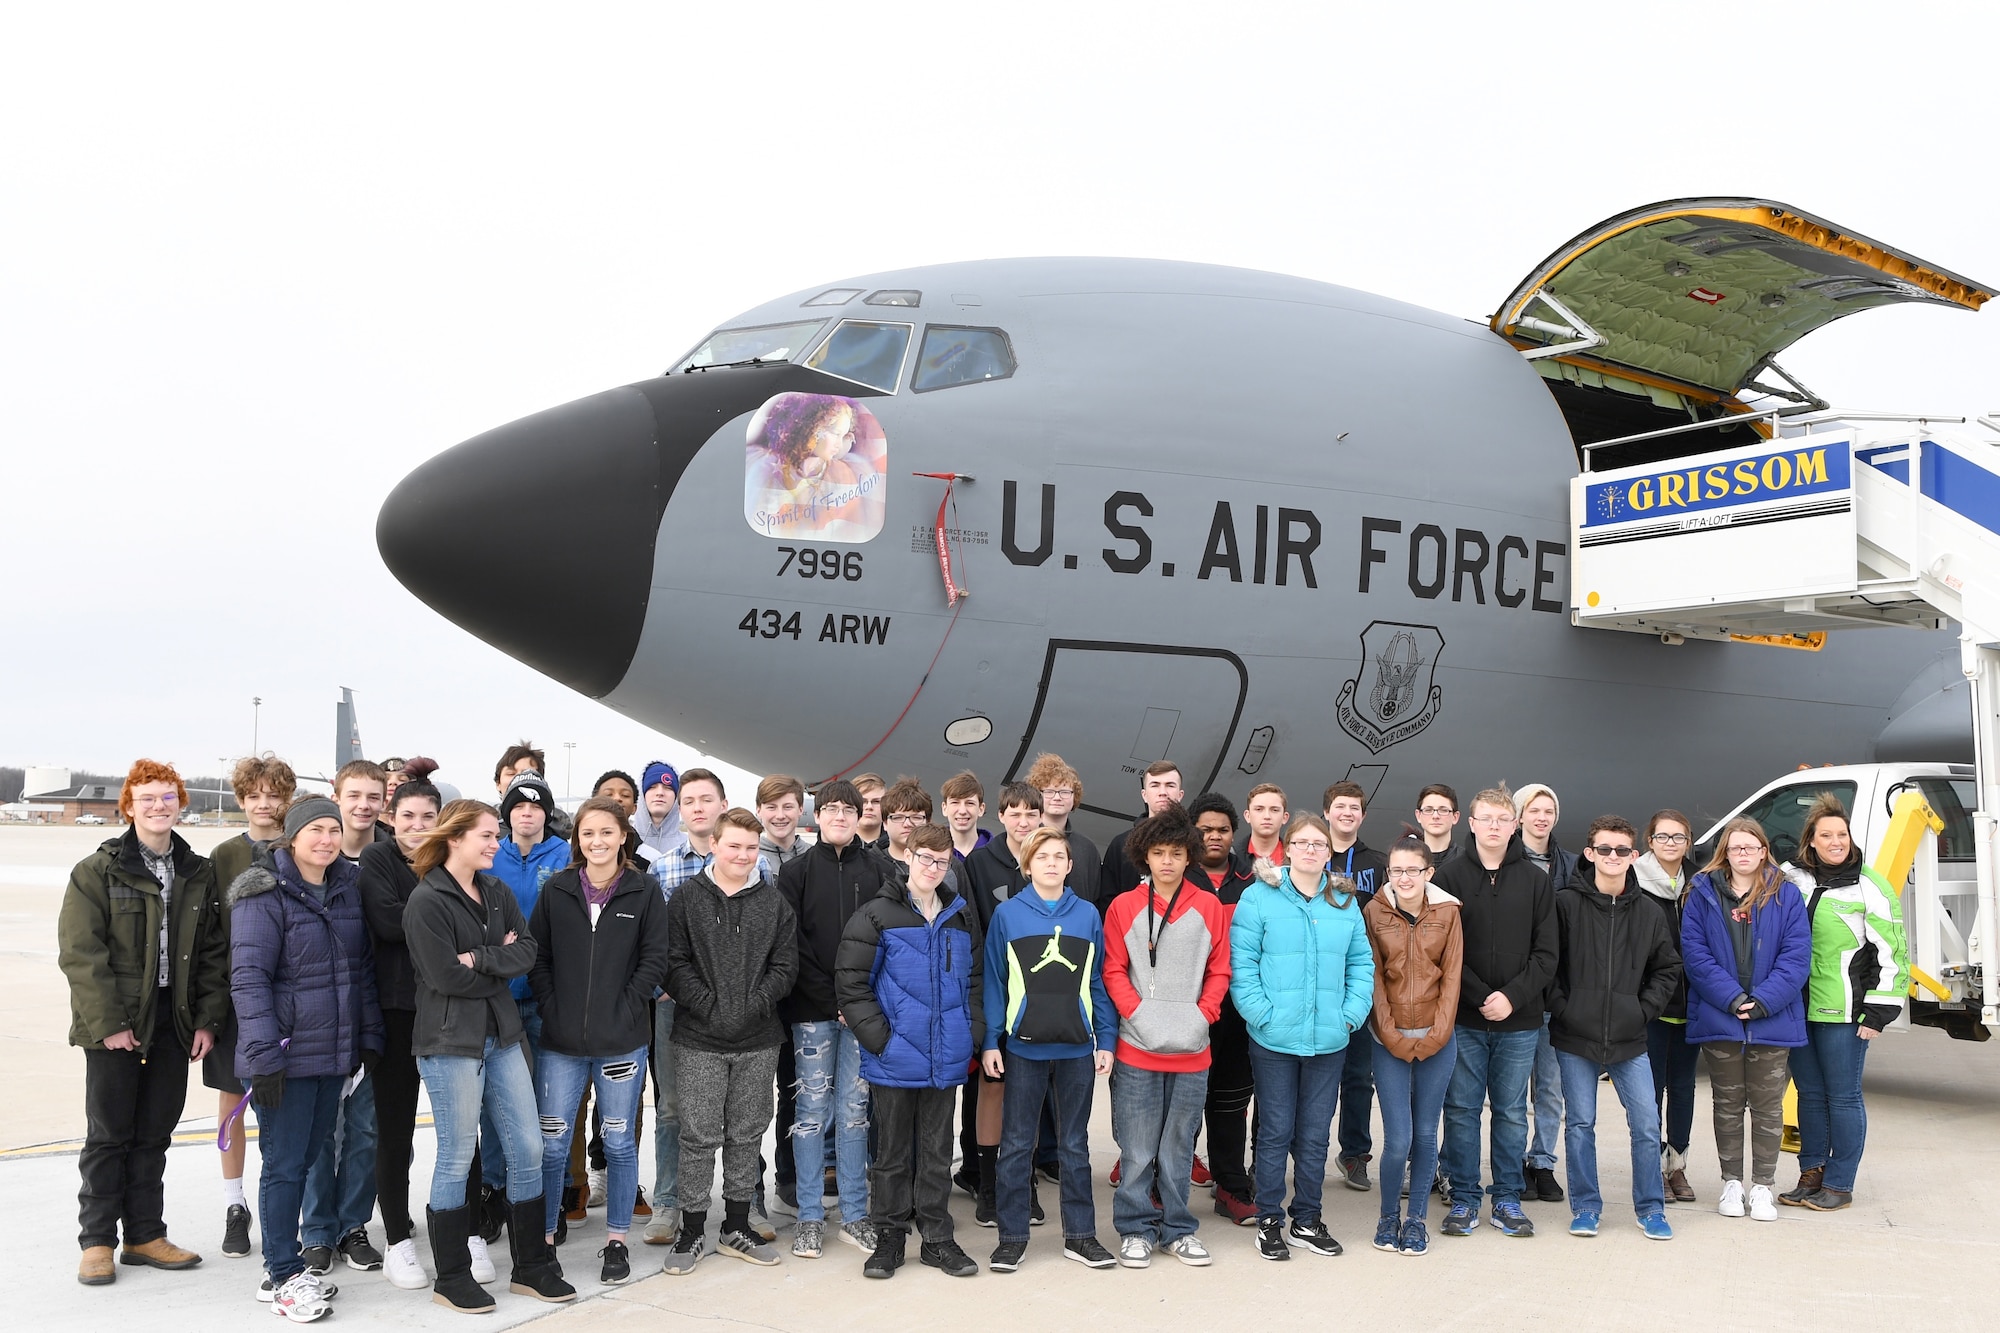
(1949, 797)
(1783, 814)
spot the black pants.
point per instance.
(1230, 1087)
(788, 1111)
(396, 1087)
(131, 1102)
(911, 1173)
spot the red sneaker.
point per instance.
(1238, 1210)
(1115, 1173)
(1199, 1177)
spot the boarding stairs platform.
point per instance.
(1826, 523)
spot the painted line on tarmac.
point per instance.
(182, 1139)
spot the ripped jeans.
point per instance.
(620, 1081)
(830, 1086)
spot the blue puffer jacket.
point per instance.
(1301, 972)
(301, 969)
(525, 875)
(910, 989)
(1781, 960)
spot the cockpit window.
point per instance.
(835, 296)
(952, 356)
(770, 342)
(867, 353)
(893, 296)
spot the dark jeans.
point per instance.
(1154, 1117)
(1674, 1063)
(787, 1172)
(1412, 1097)
(340, 1188)
(396, 1088)
(1069, 1084)
(131, 1103)
(1295, 1097)
(1833, 1120)
(1230, 1087)
(1492, 1066)
(1632, 1080)
(1357, 1094)
(290, 1137)
(911, 1174)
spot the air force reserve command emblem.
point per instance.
(1391, 697)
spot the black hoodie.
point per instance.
(387, 881)
(730, 959)
(594, 981)
(1509, 919)
(1618, 972)
(824, 886)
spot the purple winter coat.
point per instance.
(1781, 961)
(300, 969)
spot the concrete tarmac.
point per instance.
(1914, 1248)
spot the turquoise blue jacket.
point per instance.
(1301, 972)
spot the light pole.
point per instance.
(569, 769)
(224, 761)
(255, 704)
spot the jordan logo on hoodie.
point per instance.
(1048, 988)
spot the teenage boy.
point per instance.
(909, 967)
(1537, 810)
(657, 820)
(1612, 949)
(905, 807)
(781, 799)
(1166, 968)
(520, 759)
(1346, 805)
(871, 787)
(1050, 1027)
(1062, 789)
(139, 940)
(964, 801)
(263, 788)
(732, 955)
(1159, 787)
(823, 888)
(1227, 873)
(340, 1187)
(1506, 910)
(1265, 810)
(1437, 816)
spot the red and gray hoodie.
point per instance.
(1167, 971)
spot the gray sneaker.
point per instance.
(685, 1254)
(810, 1240)
(859, 1233)
(747, 1246)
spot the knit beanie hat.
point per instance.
(527, 787)
(658, 772)
(1529, 793)
(304, 812)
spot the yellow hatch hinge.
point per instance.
(1912, 819)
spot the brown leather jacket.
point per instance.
(1416, 971)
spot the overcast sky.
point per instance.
(256, 265)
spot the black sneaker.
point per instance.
(1354, 1173)
(1313, 1235)
(1543, 1181)
(1036, 1217)
(946, 1256)
(967, 1179)
(888, 1254)
(360, 1255)
(318, 1259)
(493, 1211)
(1271, 1238)
(236, 1231)
(1086, 1251)
(1050, 1170)
(617, 1263)
(1007, 1256)
(562, 1226)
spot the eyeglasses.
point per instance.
(1492, 821)
(1671, 839)
(1612, 853)
(149, 802)
(1747, 849)
(930, 862)
(905, 817)
(1057, 791)
(836, 811)
(1435, 810)
(1310, 845)
(1408, 872)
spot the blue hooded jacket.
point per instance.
(1300, 969)
(910, 989)
(301, 969)
(1045, 979)
(1781, 953)
(525, 875)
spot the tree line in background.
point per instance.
(200, 788)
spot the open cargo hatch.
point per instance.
(1666, 314)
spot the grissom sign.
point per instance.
(1786, 473)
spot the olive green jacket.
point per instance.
(108, 945)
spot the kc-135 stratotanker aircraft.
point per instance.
(1269, 528)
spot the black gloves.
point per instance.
(368, 1059)
(268, 1090)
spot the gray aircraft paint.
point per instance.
(1176, 389)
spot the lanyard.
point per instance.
(1153, 940)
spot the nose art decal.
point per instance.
(815, 465)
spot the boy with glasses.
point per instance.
(1062, 792)
(1437, 816)
(870, 830)
(1618, 969)
(1507, 915)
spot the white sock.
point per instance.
(232, 1193)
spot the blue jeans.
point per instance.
(1633, 1081)
(1071, 1083)
(493, 1162)
(1674, 1062)
(1547, 1086)
(1411, 1093)
(461, 1090)
(1357, 1094)
(620, 1081)
(666, 1110)
(830, 1088)
(340, 1188)
(1154, 1117)
(1492, 1066)
(1295, 1097)
(290, 1138)
(1833, 1120)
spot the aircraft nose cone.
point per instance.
(538, 536)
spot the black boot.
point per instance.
(455, 1289)
(536, 1272)
(492, 1213)
(984, 1209)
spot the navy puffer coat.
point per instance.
(910, 989)
(301, 969)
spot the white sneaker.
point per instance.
(1732, 1199)
(482, 1263)
(301, 1300)
(1762, 1206)
(1192, 1252)
(665, 1225)
(1135, 1252)
(596, 1178)
(403, 1268)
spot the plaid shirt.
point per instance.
(161, 866)
(680, 862)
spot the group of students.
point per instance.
(519, 964)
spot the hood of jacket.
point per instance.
(1654, 879)
(275, 866)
